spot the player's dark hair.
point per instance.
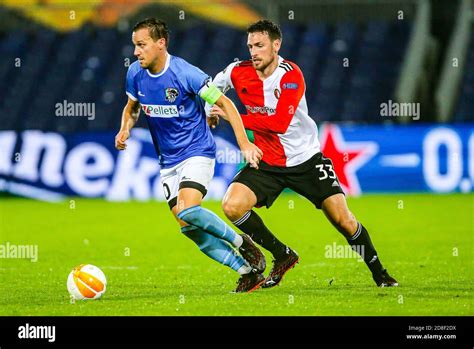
(156, 27)
(266, 26)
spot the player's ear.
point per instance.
(276, 45)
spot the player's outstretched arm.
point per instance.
(130, 114)
(212, 95)
(251, 152)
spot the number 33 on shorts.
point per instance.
(326, 171)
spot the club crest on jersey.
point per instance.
(171, 94)
(277, 93)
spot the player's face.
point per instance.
(147, 50)
(263, 51)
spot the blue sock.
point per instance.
(211, 223)
(216, 249)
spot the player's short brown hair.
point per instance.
(156, 27)
(266, 26)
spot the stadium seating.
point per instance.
(465, 107)
(89, 65)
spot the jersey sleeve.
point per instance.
(130, 83)
(223, 82)
(195, 79)
(292, 88)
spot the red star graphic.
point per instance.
(346, 157)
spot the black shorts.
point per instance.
(314, 179)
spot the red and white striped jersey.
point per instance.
(276, 111)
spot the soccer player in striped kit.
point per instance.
(273, 92)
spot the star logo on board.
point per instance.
(347, 157)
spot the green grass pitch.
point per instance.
(425, 241)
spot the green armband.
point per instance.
(210, 93)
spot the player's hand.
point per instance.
(120, 139)
(216, 110)
(214, 115)
(252, 154)
(213, 120)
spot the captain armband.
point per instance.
(210, 93)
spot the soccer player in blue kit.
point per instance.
(171, 92)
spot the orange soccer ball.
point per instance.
(86, 281)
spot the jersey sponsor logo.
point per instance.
(261, 110)
(160, 111)
(171, 94)
(141, 94)
(290, 86)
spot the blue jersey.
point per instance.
(174, 111)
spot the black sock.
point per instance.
(361, 242)
(252, 225)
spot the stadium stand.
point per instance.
(465, 106)
(89, 65)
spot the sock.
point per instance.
(251, 224)
(211, 223)
(216, 249)
(361, 239)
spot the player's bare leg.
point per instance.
(238, 200)
(190, 197)
(336, 210)
(237, 205)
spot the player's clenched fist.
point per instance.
(120, 139)
(215, 113)
(213, 120)
(252, 154)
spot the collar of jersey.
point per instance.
(167, 64)
(280, 59)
